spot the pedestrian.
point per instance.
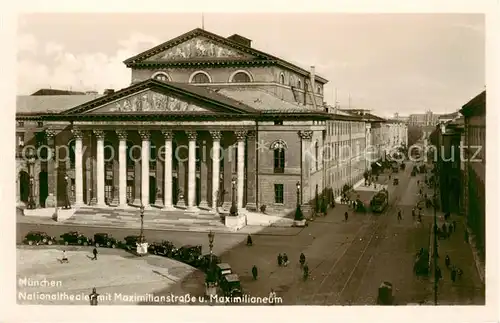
(93, 297)
(95, 253)
(254, 272)
(302, 259)
(466, 236)
(400, 217)
(438, 274)
(413, 213)
(389, 176)
(346, 216)
(450, 228)
(272, 297)
(447, 261)
(453, 274)
(454, 226)
(64, 258)
(285, 259)
(249, 240)
(280, 260)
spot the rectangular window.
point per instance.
(278, 122)
(279, 160)
(20, 124)
(40, 124)
(278, 193)
(20, 139)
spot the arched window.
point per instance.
(299, 84)
(282, 78)
(279, 147)
(161, 76)
(318, 89)
(241, 77)
(200, 77)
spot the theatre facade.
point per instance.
(204, 117)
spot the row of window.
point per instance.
(342, 128)
(298, 84)
(20, 124)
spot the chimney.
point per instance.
(108, 91)
(313, 86)
(241, 40)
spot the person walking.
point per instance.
(346, 216)
(64, 258)
(285, 259)
(249, 240)
(280, 260)
(453, 274)
(93, 297)
(305, 271)
(400, 217)
(302, 259)
(254, 272)
(438, 274)
(447, 261)
(95, 253)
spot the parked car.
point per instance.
(104, 240)
(221, 270)
(75, 238)
(38, 237)
(163, 248)
(204, 262)
(188, 254)
(130, 242)
(230, 286)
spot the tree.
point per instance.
(414, 134)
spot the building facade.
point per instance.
(474, 113)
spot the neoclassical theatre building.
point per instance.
(203, 117)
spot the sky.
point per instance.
(387, 63)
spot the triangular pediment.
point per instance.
(199, 48)
(149, 101)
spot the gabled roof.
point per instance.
(476, 106)
(196, 93)
(259, 56)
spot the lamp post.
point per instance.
(141, 235)
(233, 210)
(211, 237)
(31, 163)
(298, 212)
(210, 278)
(67, 204)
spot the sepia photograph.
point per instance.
(207, 159)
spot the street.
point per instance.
(347, 260)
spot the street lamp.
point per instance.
(31, 163)
(298, 212)
(210, 277)
(233, 210)
(141, 235)
(67, 204)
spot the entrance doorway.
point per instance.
(152, 189)
(24, 186)
(198, 191)
(43, 187)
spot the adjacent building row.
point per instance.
(461, 165)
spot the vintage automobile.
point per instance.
(379, 202)
(188, 254)
(75, 238)
(164, 248)
(360, 207)
(38, 238)
(104, 240)
(385, 296)
(395, 181)
(221, 270)
(402, 166)
(204, 262)
(130, 242)
(230, 286)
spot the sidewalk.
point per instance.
(469, 289)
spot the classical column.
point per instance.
(51, 200)
(78, 134)
(203, 177)
(100, 167)
(191, 168)
(251, 172)
(228, 159)
(122, 167)
(240, 137)
(305, 140)
(216, 136)
(167, 191)
(145, 150)
(115, 200)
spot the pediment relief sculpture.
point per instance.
(198, 47)
(150, 101)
